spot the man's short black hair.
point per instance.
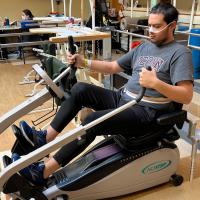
(168, 10)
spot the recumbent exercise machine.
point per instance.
(115, 166)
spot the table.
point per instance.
(10, 28)
(79, 34)
(4, 40)
(56, 20)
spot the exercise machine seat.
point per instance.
(165, 129)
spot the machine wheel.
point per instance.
(63, 197)
(176, 180)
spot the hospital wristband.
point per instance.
(87, 63)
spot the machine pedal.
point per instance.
(21, 146)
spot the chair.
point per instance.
(25, 26)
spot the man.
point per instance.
(169, 83)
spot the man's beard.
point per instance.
(158, 42)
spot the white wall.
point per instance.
(13, 8)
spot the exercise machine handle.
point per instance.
(142, 90)
(72, 76)
(72, 48)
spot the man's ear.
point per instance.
(174, 25)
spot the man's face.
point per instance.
(159, 31)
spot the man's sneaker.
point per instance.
(33, 173)
(32, 136)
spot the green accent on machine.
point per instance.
(156, 166)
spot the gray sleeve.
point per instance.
(181, 68)
(125, 61)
